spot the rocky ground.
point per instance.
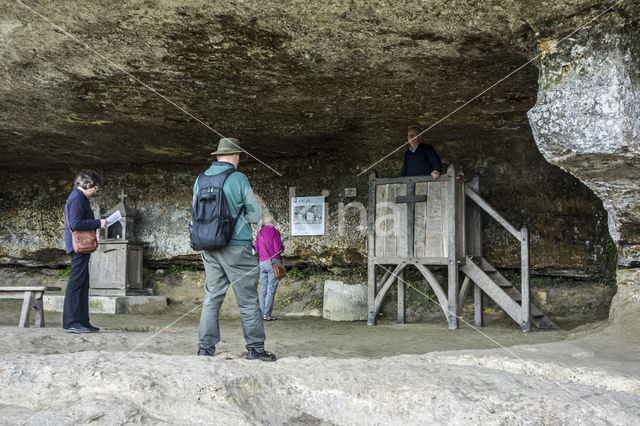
(142, 369)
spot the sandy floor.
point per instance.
(174, 332)
(142, 369)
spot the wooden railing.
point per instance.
(523, 237)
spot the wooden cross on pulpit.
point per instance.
(411, 199)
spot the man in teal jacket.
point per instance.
(234, 264)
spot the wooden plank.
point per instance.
(19, 295)
(402, 298)
(380, 223)
(23, 289)
(437, 289)
(390, 222)
(460, 217)
(371, 292)
(433, 221)
(478, 306)
(492, 212)
(435, 212)
(525, 322)
(371, 266)
(401, 247)
(453, 257)
(469, 229)
(420, 221)
(371, 216)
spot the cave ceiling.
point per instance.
(118, 82)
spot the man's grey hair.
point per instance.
(88, 179)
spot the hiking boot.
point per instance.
(262, 356)
(206, 352)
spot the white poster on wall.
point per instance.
(308, 215)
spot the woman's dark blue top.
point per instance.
(80, 216)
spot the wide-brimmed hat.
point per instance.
(228, 146)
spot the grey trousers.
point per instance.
(235, 266)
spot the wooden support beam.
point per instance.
(371, 292)
(525, 322)
(385, 277)
(402, 298)
(396, 260)
(476, 224)
(453, 251)
(492, 212)
(478, 305)
(371, 265)
(437, 289)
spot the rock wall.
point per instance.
(567, 222)
(587, 121)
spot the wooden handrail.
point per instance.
(492, 212)
(523, 238)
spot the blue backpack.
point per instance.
(211, 224)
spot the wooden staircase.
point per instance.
(427, 222)
(498, 288)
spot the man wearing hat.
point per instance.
(234, 264)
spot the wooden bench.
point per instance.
(32, 297)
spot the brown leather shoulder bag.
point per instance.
(84, 242)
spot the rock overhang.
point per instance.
(276, 75)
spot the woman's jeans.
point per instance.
(268, 287)
(76, 298)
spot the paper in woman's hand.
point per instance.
(114, 218)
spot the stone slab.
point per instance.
(344, 302)
(112, 304)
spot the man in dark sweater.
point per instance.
(420, 159)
